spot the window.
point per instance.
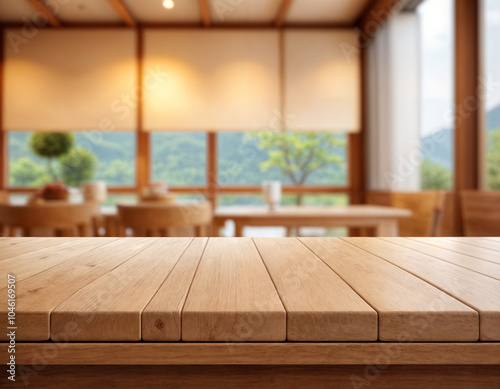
(179, 158)
(437, 93)
(290, 157)
(491, 33)
(113, 155)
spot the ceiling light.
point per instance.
(169, 4)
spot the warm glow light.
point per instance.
(169, 4)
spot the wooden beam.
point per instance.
(197, 26)
(45, 11)
(143, 146)
(205, 12)
(124, 13)
(376, 16)
(3, 134)
(467, 102)
(282, 12)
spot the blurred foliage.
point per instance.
(298, 155)
(26, 172)
(77, 166)
(51, 145)
(434, 176)
(493, 159)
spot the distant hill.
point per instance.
(442, 153)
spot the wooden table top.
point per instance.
(242, 289)
(304, 211)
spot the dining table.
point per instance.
(385, 220)
(226, 312)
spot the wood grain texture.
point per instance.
(209, 377)
(476, 290)
(409, 309)
(320, 306)
(480, 242)
(11, 247)
(35, 261)
(276, 353)
(161, 319)
(38, 295)
(490, 269)
(232, 297)
(109, 309)
(463, 248)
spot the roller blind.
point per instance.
(322, 89)
(222, 80)
(70, 80)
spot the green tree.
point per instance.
(26, 172)
(299, 155)
(493, 159)
(51, 145)
(434, 176)
(77, 166)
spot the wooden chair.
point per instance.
(57, 218)
(163, 219)
(480, 213)
(429, 210)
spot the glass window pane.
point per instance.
(113, 156)
(491, 19)
(437, 93)
(179, 158)
(290, 157)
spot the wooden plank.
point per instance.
(462, 248)
(278, 377)
(117, 315)
(480, 242)
(161, 319)
(232, 297)
(279, 353)
(45, 12)
(478, 265)
(11, 247)
(320, 306)
(37, 296)
(409, 309)
(123, 12)
(476, 290)
(31, 263)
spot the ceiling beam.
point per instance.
(205, 12)
(124, 13)
(282, 12)
(45, 11)
(377, 15)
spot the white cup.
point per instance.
(272, 193)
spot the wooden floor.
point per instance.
(285, 312)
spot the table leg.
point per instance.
(110, 226)
(238, 229)
(387, 228)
